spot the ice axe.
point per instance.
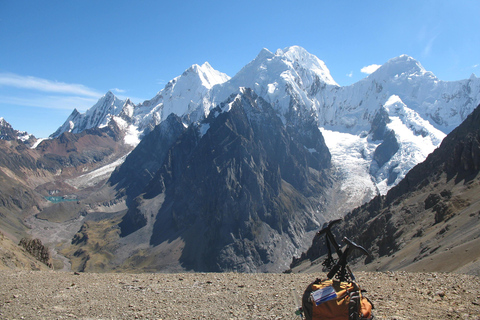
(339, 266)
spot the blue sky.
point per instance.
(59, 55)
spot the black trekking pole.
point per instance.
(341, 266)
(330, 239)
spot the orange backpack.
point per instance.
(335, 300)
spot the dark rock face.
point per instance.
(386, 149)
(236, 193)
(140, 167)
(144, 161)
(379, 124)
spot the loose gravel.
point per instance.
(66, 295)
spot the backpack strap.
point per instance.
(354, 306)
(307, 304)
(359, 306)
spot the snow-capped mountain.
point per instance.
(182, 96)
(444, 104)
(7, 132)
(98, 116)
(185, 96)
(286, 79)
(376, 129)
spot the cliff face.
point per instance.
(241, 189)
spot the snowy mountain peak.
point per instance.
(108, 98)
(97, 116)
(403, 65)
(109, 103)
(203, 75)
(289, 77)
(181, 96)
(299, 55)
(264, 54)
(4, 123)
(8, 133)
(109, 95)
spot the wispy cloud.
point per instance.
(428, 47)
(475, 66)
(370, 69)
(161, 82)
(118, 90)
(49, 102)
(426, 36)
(39, 84)
(20, 90)
(350, 74)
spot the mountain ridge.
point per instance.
(299, 85)
(402, 66)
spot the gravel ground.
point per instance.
(65, 295)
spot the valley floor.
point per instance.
(65, 295)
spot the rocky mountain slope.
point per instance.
(32, 170)
(15, 257)
(430, 220)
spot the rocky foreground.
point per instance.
(62, 295)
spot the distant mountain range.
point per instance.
(217, 173)
(376, 129)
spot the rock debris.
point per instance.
(65, 295)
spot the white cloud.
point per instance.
(118, 90)
(475, 66)
(39, 84)
(350, 74)
(370, 69)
